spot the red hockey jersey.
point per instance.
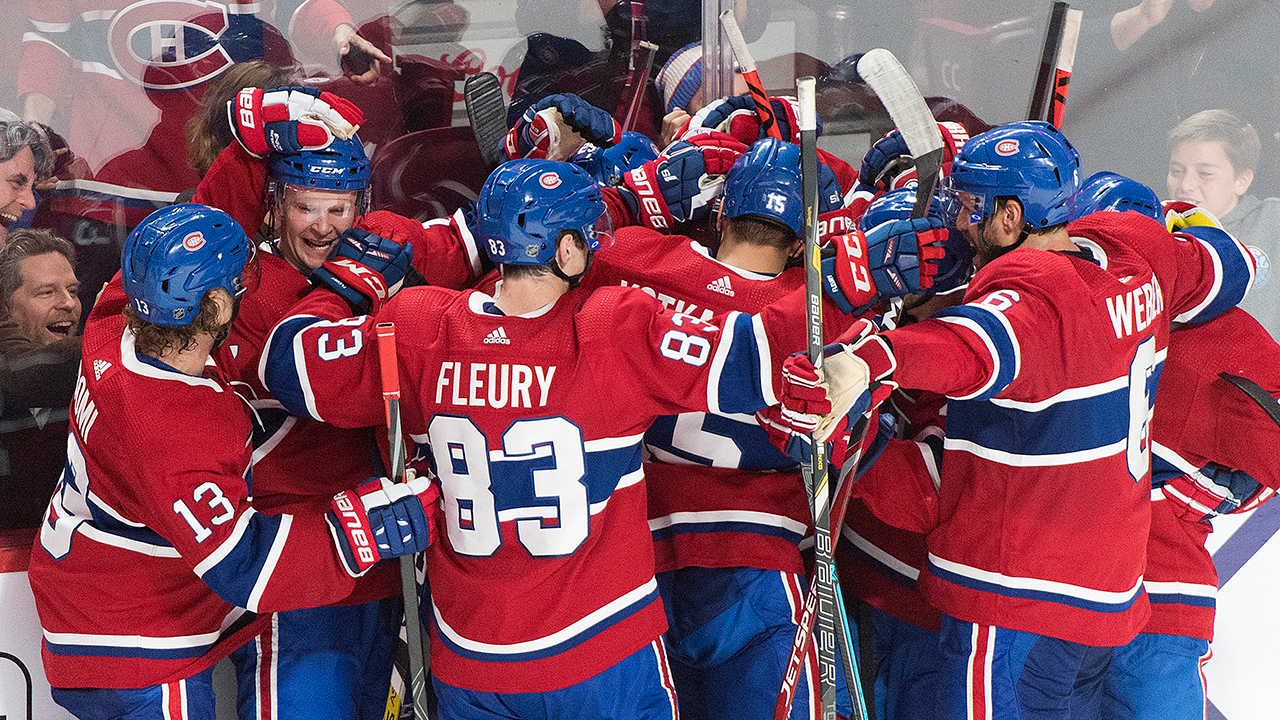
(150, 564)
(720, 495)
(534, 424)
(1051, 366)
(1201, 418)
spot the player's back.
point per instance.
(1053, 467)
(136, 427)
(720, 494)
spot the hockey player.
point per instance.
(1213, 452)
(151, 565)
(1036, 563)
(531, 406)
(727, 511)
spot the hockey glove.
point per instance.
(895, 258)
(683, 182)
(1179, 216)
(367, 270)
(290, 119)
(537, 134)
(1211, 491)
(737, 116)
(381, 519)
(888, 165)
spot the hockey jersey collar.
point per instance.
(482, 304)
(132, 362)
(748, 274)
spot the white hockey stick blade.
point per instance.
(900, 96)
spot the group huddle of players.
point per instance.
(606, 418)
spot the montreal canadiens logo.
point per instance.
(549, 180)
(175, 44)
(193, 241)
(1007, 147)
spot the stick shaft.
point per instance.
(1043, 90)
(1066, 61)
(390, 370)
(768, 123)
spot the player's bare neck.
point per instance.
(1059, 240)
(192, 360)
(521, 295)
(753, 258)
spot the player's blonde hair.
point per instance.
(207, 131)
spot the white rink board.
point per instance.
(20, 637)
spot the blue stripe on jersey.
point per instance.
(715, 441)
(178, 653)
(236, 574)
(577, 639)
(106, 197)
(1067, 426)
(511, 479)
(1181, 599)
(737, 373)
(1007, 589)
(704, 528)
(1234, 281)
(280, 371)
(884, 569)
(998, 338)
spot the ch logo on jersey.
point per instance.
(497, 337)
(193, 241)
(1005, 148)
(173, 44)
(549, 180)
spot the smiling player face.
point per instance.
(17, 178)
(46, 307)
(310, 222)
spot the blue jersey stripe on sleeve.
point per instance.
(996, 334)
(1234, 274)
(737, 372)
(241, 565)
(283, 368)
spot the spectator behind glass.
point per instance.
(25, 159)
(41, 353)
(1211, 163)
(207, 130)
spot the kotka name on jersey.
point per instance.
(493, 384)
(671, 303)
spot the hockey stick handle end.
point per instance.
(806, 97)
(734, 35)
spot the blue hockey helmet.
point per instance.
(608, 165)
(1115, 192)
(1030, 160)
(953, 268)
(178, 254)
(765, 182)
(340, 166)
(525, 205)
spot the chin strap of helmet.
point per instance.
(574, 280)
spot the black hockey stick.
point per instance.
(487, 113)
(1256, 393)
(389, 365)
(1057, 58)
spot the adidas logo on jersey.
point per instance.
(100, 366)
(721, 286)
(497, 337)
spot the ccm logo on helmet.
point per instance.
(193, 241)
(549, 180)
(1007, 147)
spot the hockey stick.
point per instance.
(906, 106)
(1058, 57)
(763, 109)
(389, 366)
(487, 113)
(641, 87)
(1256, 393)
